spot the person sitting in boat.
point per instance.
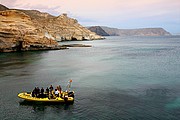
(47, 90)
(56, 93)
(59, 89)
(34, 92)
(51, 88)
(42, 92)
(37, 92)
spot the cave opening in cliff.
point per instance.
(19, 45)
(73, 38)
(83, 38)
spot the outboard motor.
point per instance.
(71, 94)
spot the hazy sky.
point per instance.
(123, 14)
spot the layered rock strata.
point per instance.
(22, 30)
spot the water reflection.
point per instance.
(40, 106)
(20, 63)
(8, 59)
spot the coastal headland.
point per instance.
(23, 30)
(108, 31)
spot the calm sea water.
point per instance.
(119, 78)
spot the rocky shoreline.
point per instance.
(76, 45)
(40, 48)
(34, 48)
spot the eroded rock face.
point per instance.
(31, 29)
(62, 27)
(17, 31)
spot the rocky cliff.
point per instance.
(2, 7)
(98, 30)
(33, 30)
(134, 32)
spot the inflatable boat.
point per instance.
(64, 98)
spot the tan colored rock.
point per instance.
(16, 27)
(31, 29)
(61, 27)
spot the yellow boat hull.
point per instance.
(27, 96)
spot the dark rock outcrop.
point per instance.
(2, 7)
(76, 45)
(98, 30)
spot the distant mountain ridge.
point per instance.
(131, 32)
